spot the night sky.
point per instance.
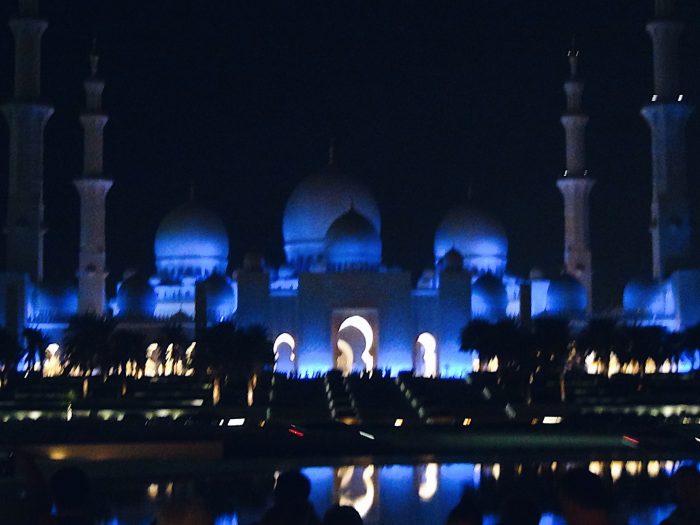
(240, 98)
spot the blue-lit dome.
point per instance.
(191, 242)
(643, 297)
(352, 243)
(220, 297)
(314, 205)
(566, 296)
(136, 298)
(55, 301)
(477, 236)
(489, 298)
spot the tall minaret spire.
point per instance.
(667, 115)
(92, 187)
(575, 185)
(26, 116)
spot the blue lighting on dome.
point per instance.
(191, 241)
(566, 296)
(54, 302)
(136, 298)
(478, 237)
(314, 205)
(352, 243)
(645, 298)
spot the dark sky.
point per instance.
(242, 97)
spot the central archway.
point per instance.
(284, 350)
(355, 342)
(425, 358)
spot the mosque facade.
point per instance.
(334, 304)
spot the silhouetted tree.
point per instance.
(231, 352)
(10, 353)
(603, 337)
(647, 341)
(34, 346)
(125, 346)
(174, 334)
(87, 342)
(550, 342)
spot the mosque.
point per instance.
(334, 304)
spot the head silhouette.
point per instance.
(584, 498)
(467, 511)
(70, 489)
(292, 488)
(686, 488)
(342, 515)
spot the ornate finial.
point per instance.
(331, 152)
(573, 57)
(94, 58)
(191, 191)
(665, 8)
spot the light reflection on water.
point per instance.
(424, 493)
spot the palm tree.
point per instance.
(227, 351)
(86, 342)
(127, 346)
(602, 336)
(35, 343)
(504, 339)
(479, 335)
(232, 355)
(10, 353)
(551, 344)
(173, 334)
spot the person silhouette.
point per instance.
(686, 494)
(583, 499)
(341, 515)
(71, 495)
(467, 511)
(291, 503)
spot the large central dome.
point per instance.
(314, 205)
(352, 243)
(478, 237)
(191, 241)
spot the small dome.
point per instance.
(489, 298)
(56, 301)
(313, 206)
(477, 236)
(191, 241)
(136, 298)
(643, 297)
(285, 272)
(453, 261)
(220, 297)
(352, 242)
(566, 296)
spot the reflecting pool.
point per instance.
(405, 494)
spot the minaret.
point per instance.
(26, 116)
(667, 115)
(575, 185)
(92, 187)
